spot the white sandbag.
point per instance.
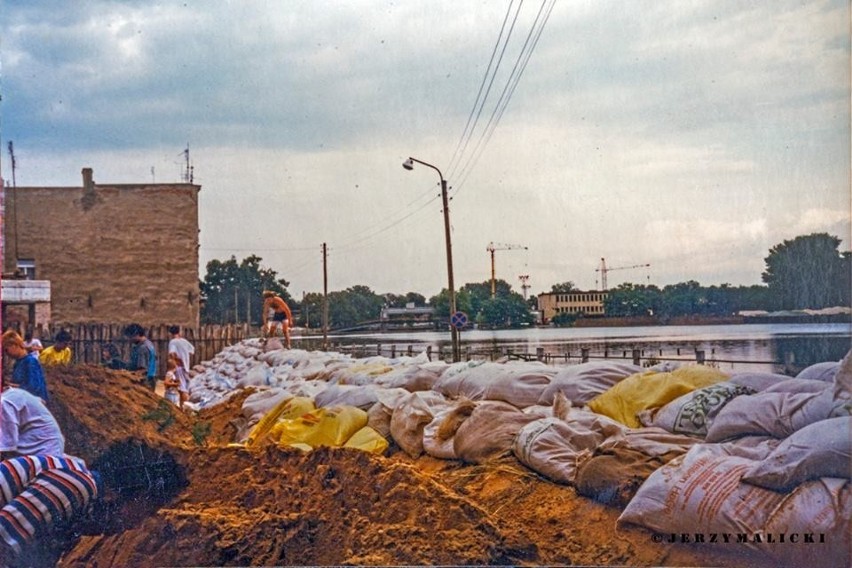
(581, 383)
(439, 433)
(307, 389)
(651, 441)
(379, 415)
(519, 384)
(261, 402)
(379, 419)
(489, 432)
(257, 376)
(775, 414)
(822, 449)
(701, 493)
(362, 397)
(409, 418)
(757, 381)
(754, 448)
(693, 412)
(555, 448)
(843, 387)
(412, 378)
(824, 372)
(796, 386)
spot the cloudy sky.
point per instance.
(691, 135)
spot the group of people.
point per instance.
(39, 483)
(143, 361)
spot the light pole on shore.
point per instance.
(454, 333)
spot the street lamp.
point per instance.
(454, 333)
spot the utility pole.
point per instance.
(236, 306)
(14, 164)
(324, 297)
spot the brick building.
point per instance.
(588, 303)
(111, 252)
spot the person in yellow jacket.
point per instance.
(59, 353)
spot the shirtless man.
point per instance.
(281, 315)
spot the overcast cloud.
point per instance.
(691, 135)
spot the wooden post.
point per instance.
(789, 362)
(699, 356)
(637, 357)
(539, 353)
(393, 351)
(379, 349)
(410, 350)
(584, 355)
(429, 352)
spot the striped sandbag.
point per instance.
(38, 491)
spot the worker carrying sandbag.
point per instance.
(281, 316)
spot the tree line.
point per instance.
(805, 272)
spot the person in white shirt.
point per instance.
(32, 344)
(28, 427)
(36, 475)
(183, 348)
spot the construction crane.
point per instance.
(524, 278)
(603, 270)
(492, 246)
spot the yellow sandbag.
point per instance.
(368, 440)
(650, 389)
(330, 426)
(371, 369)
(300, 406)
(286, 409)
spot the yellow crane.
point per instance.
(492, 247)
(603, 270)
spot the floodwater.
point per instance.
(744, 347)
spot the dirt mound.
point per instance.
(329, 506)
(98, 407)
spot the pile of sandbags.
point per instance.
(680, 448)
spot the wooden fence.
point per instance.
(87, 339)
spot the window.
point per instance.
(26, 267)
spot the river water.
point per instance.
(744, 347)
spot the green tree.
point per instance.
(400, 301)
(564, 319)
(311, 311)
(353, 306)
(232, 291)
(441, 304)
(508, 310)
(808, 272)
(563, 288)
(632, 300)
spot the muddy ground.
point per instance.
(202, 503)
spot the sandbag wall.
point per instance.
(639, 439)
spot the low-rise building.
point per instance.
(110, 252)
(585, 303)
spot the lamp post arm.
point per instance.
(428, 166)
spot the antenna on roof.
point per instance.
(189, 169)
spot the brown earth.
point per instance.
(231, 506)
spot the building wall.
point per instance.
(113, 253)
(588, 303)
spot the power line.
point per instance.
(456, 154)
(508, 90)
